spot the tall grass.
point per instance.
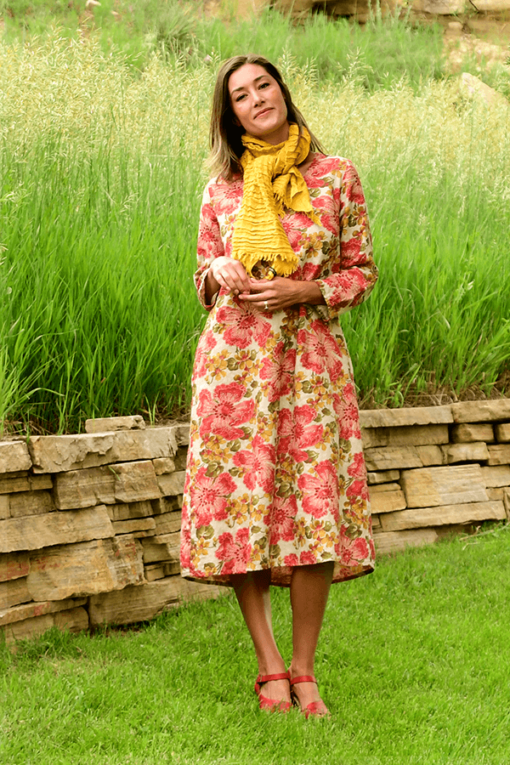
(387, 49)
(97, 284)
(382, 52)
(101, 175)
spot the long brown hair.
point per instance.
(225, 135)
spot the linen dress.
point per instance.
(275, 475)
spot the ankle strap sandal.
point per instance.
(271, 705)
(314, 708)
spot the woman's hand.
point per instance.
(228, 274)
(282, 293)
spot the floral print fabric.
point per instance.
(275, 475)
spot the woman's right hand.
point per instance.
(228, 274)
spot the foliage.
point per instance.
(406, 663)
(384, 50)
(101, 176)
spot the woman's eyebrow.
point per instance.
(243, 87)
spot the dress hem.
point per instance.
(283, 578)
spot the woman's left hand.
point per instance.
(280, 293)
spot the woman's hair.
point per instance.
(225, 135)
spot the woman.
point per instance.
(276, 487)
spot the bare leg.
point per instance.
(309, 592)
(252, 591)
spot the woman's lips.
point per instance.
(262, 112)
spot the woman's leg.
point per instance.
(252, 591)
(309, 592)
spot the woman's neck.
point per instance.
(280, 135)
(303, 167)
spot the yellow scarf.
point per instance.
(272, 184)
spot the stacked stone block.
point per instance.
(90, 523)
(434, 470)
(89, 527)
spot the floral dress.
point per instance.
(276, 476)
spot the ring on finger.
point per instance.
(266, 307)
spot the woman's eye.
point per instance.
(240, 98)
(264, 85)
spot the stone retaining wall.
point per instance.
(89, 524)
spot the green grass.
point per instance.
(99, 315)
(100, 183)
(101, 171)
(383, 52)
(413, 662)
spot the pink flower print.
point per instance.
(291, 225)
(353, 190)
(295, 434)
(350, 251)
(307, 272)
(321, 351)
(310, 271)
(259, 462)
(357, 468)
(347, 287)
(307, 558)
(291, 560)
(283, 513)
(243, 324)
(357, 490)
(210, 244)
(235, 553)
(320, 492)
(318, 169)
(278, 369)
(185, 555)
(302, 221)
(352, 550)
(328, 214)
(228, 197)
(209, 496)
(346, 409)
(204, 348)
(224, 413)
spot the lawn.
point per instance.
(413, 662)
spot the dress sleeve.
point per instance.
(209, 245)
(354, 272)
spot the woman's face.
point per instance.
(258, 103)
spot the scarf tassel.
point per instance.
(284, 266)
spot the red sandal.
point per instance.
(272, 705)
(314, 708)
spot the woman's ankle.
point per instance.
(271, 667)
(302, 669)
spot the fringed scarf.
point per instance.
(272, 185)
